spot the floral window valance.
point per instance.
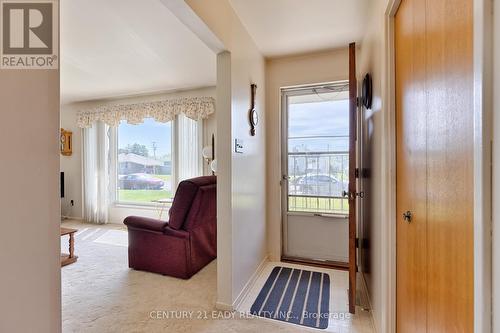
(196, 108)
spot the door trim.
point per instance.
(388, 240)
(353, 184)
(343, 266)
(483, 115)
(284, 93)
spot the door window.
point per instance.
(318, 149)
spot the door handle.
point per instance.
(349, 195)
(353, 195)
(407, 216)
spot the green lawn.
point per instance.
(145, 196)
(318, 205)
(142, 196)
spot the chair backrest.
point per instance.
(193, 197)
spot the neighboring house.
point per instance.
(132, 163)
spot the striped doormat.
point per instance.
(295, 296)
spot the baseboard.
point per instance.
(365, 289)
(223, 306)
(72, 218)
(246, 289)
(367, 294)
(115, 223)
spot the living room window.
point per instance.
(135, 154)
(144, 162)
(151, 158)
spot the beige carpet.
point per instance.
(101, 294)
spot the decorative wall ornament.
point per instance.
(366, 92)
(66, 142)
(253, 116)
(195, 108)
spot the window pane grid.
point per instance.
(321, 190)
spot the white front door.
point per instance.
(315, 160)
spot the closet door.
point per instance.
(411, 151)
(450, 195)
(434, 119)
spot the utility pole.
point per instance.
(154, 146)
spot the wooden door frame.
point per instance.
(353, 163)
(483, 115)
(286, 92)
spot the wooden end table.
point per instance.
(70, 258)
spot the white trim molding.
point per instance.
(389, 183)
(483, 82)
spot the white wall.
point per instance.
(241, 182)
(320, 67)
(372, 59)
(30, 277)
(72, 165)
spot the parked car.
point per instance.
(321, 185)
(140, 181)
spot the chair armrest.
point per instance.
(175, 233)
(138, 222)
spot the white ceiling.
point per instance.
(282, 27)
(125, 47)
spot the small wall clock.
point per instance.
(253, 115)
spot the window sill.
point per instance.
(152, 206)
(341, 216)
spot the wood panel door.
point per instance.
(434, 134)
(411, 152)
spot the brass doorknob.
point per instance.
(407, 216)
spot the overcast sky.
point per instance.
(327, 118)
(145, 134)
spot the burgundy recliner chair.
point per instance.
(187, 242)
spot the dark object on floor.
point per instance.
(295, 296)
(187, 242)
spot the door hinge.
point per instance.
(356, 172)
(356, 242)
(358, 101)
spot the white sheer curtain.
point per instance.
(96, 173)
(189, 148)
